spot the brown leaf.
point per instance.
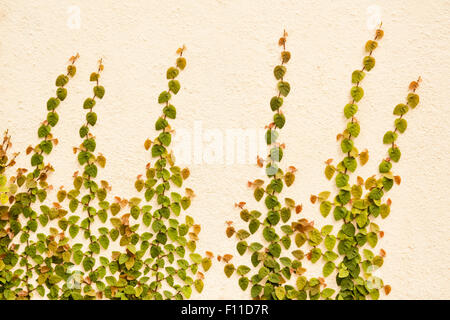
(313, 198)
(185, 173)
(379, 34)
(382, 253)
(240, 205)
(259, 161)
(397, 180)
(230, 231)
(193, 236)
(227, 257)
(196, 228)
(360, 180)
(298, 208)
(387, 289)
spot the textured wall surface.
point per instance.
(232, 49)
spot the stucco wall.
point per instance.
(232, 49)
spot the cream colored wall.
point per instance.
(232, 49)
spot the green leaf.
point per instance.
(284, 88)
(279, 72)
(329, 171)
(46, 146)
(371, 45)
(258, 193)
(164, 97)
(348, 229)
(243, 283)
(401, 125)
(174, 86)
(73, 205)
(413, 100)
(229, 269)
(376, 194)
(346, 145)
(52, 104)
(384, 210)
(325, 208)
(276, 103)
(73, 230)
(394, 154)
(52, 118)
(328, 268)
(186, 291)
(172, 73)
(279, 120)
(357, 93)
(104, 241)
(341, 180)
(77, 256)
(91, 170)
(91, 118)
(385, 166)
(157, 150)
(89, 103)
(181, 63)
(327, 293)
(161, 123)
(61, 80)
(61, 93)
(170, 111)
(389, 137)
(280, 292)
(372, 239)
(242, 270)
(357, 76)
(353, 128)
(99, 91)
(43, 131)
(36, 159)
(369, 62)
(400, 109)
(289, 178)
(198, 285)
(350, 110)
(330, 241)
(350, 163)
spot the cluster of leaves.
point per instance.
(76, 257)
(29, 259)
(355, 208)
(272, 267)
(278, 260)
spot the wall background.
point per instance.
(232, 49)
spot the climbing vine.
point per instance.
(278, 260)
(28, 257)
(276, 270)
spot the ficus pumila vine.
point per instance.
(270, 277)
(161, 263)
(356, 210)
(21, 249)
